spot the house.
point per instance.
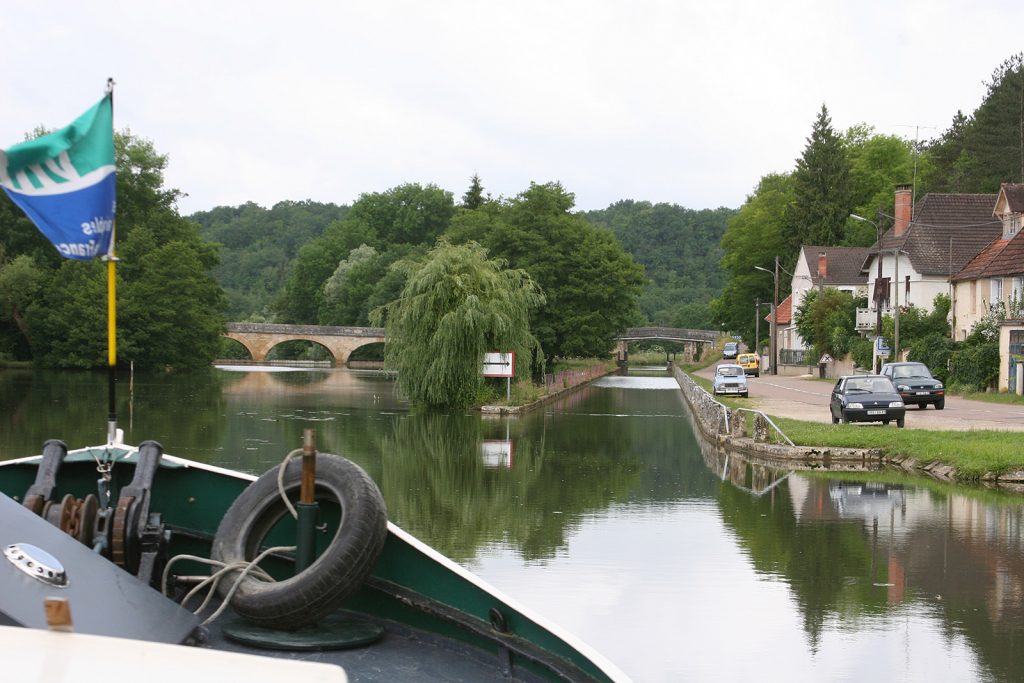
(820, 267)
(927, 245)
(995, 277)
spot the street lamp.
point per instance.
(773, 368)
(878, 233)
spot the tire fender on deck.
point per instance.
(337, 573)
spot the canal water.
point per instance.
(605, 513)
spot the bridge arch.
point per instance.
(691, 339)
(340, 342)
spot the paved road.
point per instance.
(806, 398)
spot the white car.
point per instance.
(730, 379)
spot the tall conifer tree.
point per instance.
(821, 184)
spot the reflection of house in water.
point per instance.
(963, 553)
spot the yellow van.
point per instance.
(750, 363)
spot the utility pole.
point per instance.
(775, 322)
(773, 341)
(896, 309)
(757, 331)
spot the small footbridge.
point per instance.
(260, 338)
(690, 339)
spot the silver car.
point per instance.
(730, 379)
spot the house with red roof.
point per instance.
(995, 277)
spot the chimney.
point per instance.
(904, 208)
(822, 265)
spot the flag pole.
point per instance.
(111, 260)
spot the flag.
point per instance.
(65, 182)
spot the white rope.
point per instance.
(280, 481)
(213, 580)
(246, 568)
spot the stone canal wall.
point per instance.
(727, 427)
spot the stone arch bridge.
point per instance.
(690, 339)
(260, 338)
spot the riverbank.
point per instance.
(985, 456)
(556, 386)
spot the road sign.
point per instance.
(498, 365)
(825, 358)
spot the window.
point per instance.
(974, 296)
(1014, 224)
(997, 291)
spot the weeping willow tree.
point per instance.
(456, 306)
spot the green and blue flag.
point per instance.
(65, 182)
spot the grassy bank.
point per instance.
(971, 453)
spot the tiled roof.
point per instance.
(948, 231)
(1014, 193)
(979, 265)
(1010, 261)
(784, 311)
(844, 264)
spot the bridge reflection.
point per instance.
(340, 386)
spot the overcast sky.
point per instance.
(681, 102)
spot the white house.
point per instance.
(927, 246)
(820, 267)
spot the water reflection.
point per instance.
(862, 555)
(605, 512)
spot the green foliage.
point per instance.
(754, 236)
(825, 320)
(394, 223)
(861, 349)
(975, 367)
(591, 284)
(935, 351)
(978, 152)
(170, 309)
(822, 190)
(680, 251)
(916, 324)
(258, 247)
(474, 197)
(456, 306)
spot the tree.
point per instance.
(474, 197)
(821, 188)
(680, 250)
(754, 236)
(826, 320)
(457, 305)
(591, 284)
(406, 216)
(171, 308)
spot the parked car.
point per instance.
(730, 379)
(730, 350)
(866, 398)
(750, 363)
(916, 384)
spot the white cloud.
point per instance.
(680, 102)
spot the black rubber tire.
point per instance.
(939, 405)
(885, 422)
(922, 406)
(337, 573)
(900, 422)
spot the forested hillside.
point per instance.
(258, 246)
(680, 250)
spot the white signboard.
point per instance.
(496, 454)
(498, 365)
